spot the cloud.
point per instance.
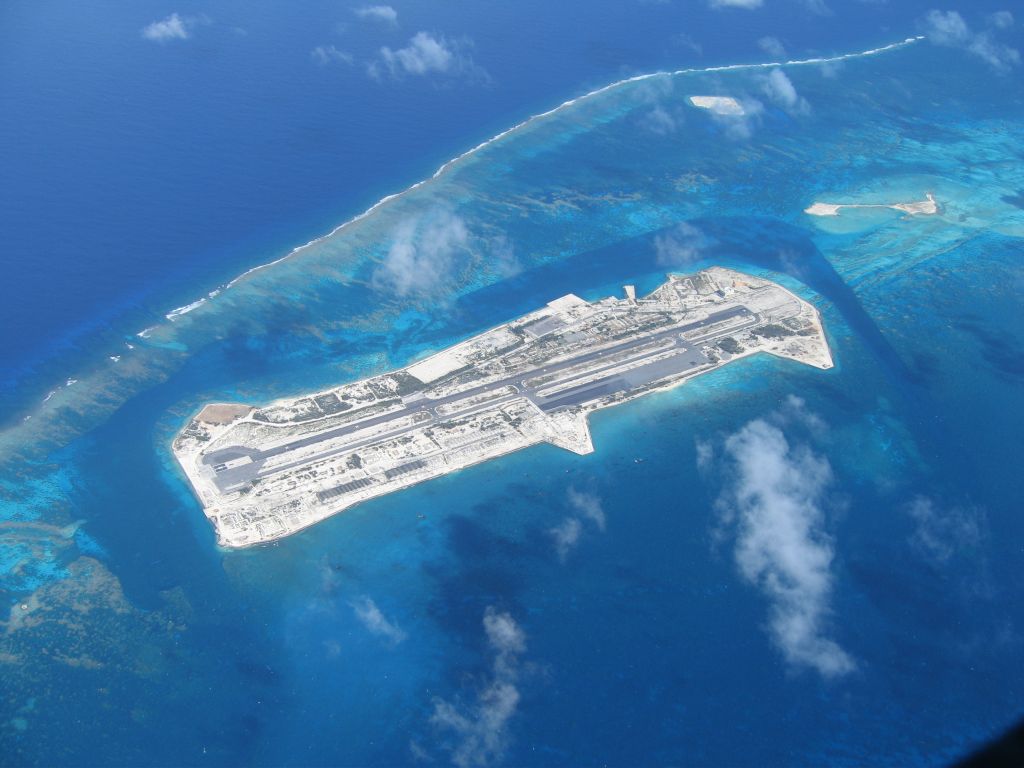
(325, 54)
(174, 27)
(425, 54)
(566, 535)
(480, 731)
(746, 4)
(681, 246)
(780, 89)
(502, 257)
(684, 41)
(794, 409)
(773, 506)
(504, 635)
(830, 69)
(948, 28)
(1001, 19)
(772, 46)
(418, 753)
(383, 13)
(741, 127)
(660, 121)
(939, 534)
(705, 453)
(332, 649)
(329, 580)
(586, 506)
(376, 622)
(820, 7)
(424, 254)
(589, 506)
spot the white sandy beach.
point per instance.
(926, 207)
(719, 105)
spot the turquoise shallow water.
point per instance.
(648, 637)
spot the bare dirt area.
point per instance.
(222, 413)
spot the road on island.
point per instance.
(237, 465)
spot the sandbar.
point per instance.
(719, 105)
(926, 207)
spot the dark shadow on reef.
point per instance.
(1017, 199)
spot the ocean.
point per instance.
(861, 608)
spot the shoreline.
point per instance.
(444, 167)
(261, 473)
(180, 311)
(926, 207)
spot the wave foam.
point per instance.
(176, 313)
(563, 106)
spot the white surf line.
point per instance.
(174, 314)
(529, 121)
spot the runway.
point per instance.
(236, 466)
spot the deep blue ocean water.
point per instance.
(140, 176)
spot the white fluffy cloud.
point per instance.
(939, 534)
(820, 7)
(504, 634)
(326, 54)
(376, 622)
(948, 28)
(502, 260)
(424, 254)
(705, 453)
(777, 86)
(174, 27)
(589, 506)
(681, 246)
(773, 505)
(830, 69)
(772, 46)
(429, 252)
(383, 13)
(794, 409)
(660, 121)
(566, 535)
(480, 731)
(747, 4)
(741, 126)
(585, 507)
(425, 54)
(1001, 19)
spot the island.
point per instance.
(926, 207)
(262, 473)
(719, 105)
